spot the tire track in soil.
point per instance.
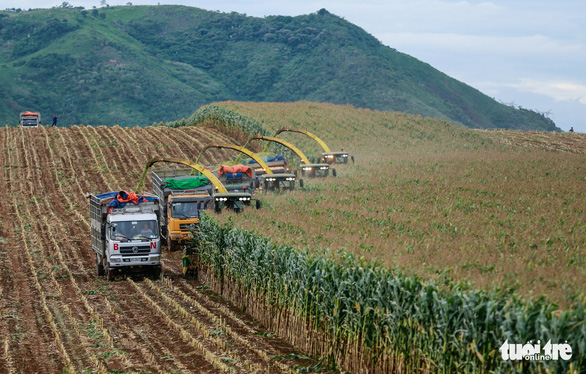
(6, 237)
(82, 153)
(27, 332)
(163, 147)
(89, 307)
(211, 156)
(77, 293)
(52, 262)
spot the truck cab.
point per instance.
(125, 238)
(30, 119)
(184, 196)
(183, 210)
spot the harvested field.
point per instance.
(56, 315)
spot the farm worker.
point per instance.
(146, 230)
(571, 129)
(54, 120)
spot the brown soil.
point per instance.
(57, 316)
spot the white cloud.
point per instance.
(558, 90)
(510, 46)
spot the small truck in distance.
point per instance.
(30, 119)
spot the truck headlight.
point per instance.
(155, 258)
(115, 260)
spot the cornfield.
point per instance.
(426, 255)
(367, 318)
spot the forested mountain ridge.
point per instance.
(134, 65)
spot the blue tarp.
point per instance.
(234, 175)
(270, 159)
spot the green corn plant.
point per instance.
(382, 313)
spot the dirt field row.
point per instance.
(56, 315)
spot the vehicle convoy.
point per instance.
(30, 119)
(319, 170)
(125, 233)
(184, 195)
(327, 156)
(269, 175)
(221, 197)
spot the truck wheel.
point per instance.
(258, 204)
(352, 159)
(301, 183)
(109, 274)
(158, 272)
(334, 172)
(99, 266)
(170, 245)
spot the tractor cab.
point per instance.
(282, 181)
(335, 157)
(235, 201)
(316, 170)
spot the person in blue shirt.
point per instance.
(54, 120)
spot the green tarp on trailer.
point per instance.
(186, 184)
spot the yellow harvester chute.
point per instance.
(247, 152)
(296, 150)
(215, 181)
(311, 135)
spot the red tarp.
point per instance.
(235, 169)
(31, 114)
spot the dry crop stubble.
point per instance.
(47, 281)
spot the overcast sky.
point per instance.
(528, 53)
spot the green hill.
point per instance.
(135, 65)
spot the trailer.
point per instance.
(125, 233)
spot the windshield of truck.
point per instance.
(134, 230)
(186, 210)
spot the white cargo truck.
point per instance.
(125, 233)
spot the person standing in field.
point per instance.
(571, 129)
(54, 120)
